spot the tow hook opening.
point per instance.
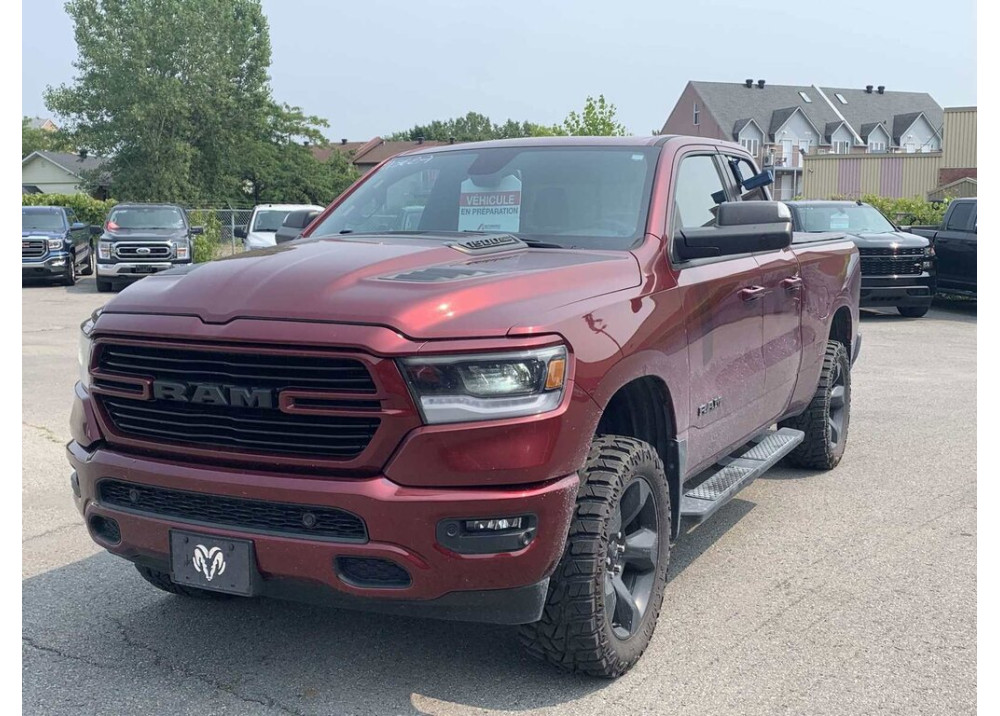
(105, 529)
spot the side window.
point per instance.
(960, 215)
(742, 170)
(697, 193)
(70, 217)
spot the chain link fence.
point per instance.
(220, 224)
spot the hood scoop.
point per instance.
(438, 274)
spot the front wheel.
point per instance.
(913, 311)
(828, 416)
(69, 277)
(104, 285)
(88, 269)
(604, 597)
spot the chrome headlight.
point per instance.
(87, 347)
(55, 244)
(181, 249)
(104, 250)
(490, 386)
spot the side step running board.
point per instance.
(733, 473)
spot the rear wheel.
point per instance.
(604, 597)
(828, 416)
(104, 285)
(162, 581)
(913, 311)
(88, 269)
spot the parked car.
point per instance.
(503, 414)
(264, 223)
(142, 239)
(54, 244)
(954, 242)
(897, 268)
(294, 224)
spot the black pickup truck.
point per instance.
(954, 242)
(897, 268)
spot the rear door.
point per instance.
(955, 245)
(781, 306)
(722, 315)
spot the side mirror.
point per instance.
(195, 230)
(741, 228)
(96, 229)
(77, 225)
(240, 232)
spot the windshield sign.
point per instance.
(852, 218)
(269, 220)
(589, 197)
(146, 217)
(42, 221)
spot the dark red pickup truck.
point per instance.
(491, 383)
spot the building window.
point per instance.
(909, 148)
(697, 115)
(840, 98)
(751, 144)
(841, 147)
(805, 97)
(876, 147)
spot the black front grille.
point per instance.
(891, 262)
(33, 248)
(372, 572)
(241, 428)
(143, 252)
(245, 515)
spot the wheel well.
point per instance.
(642, 409)
(840, 329)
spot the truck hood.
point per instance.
(896, 239)
(144, 234)
(418, 286)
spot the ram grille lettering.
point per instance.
(211, 394)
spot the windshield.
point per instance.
(146, 217)
(854, 218)
(269, 220)
(42, 221)
(594, 197)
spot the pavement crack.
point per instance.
(46, 433)
(32, 644)
(51, 531)
(186, 672)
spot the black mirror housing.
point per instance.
(96, 229)
(195, 230)
(741, 228)
(240, 232)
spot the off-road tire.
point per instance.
(913, 311)
(817, 450)
(162, 581)
(88, 270)
(105, 285)
(574, 633)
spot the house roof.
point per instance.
(830, 129)
(730, 102)
(72, 163)
(870, 127)
(863, 108)
(371, 152)
(40, 122)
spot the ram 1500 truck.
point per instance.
(954, 242)
(490, 383)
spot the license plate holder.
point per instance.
(220, 564)
(145, 269)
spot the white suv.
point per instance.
(265, 221)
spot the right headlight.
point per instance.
(488, 386)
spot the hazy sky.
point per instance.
(373, 67)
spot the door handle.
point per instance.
(792, 283)
(751, 293)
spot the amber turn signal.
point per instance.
(556, 374)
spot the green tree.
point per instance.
(175, 92)
(473, 127)
(598, 119)
(34, 139)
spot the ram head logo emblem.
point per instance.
(210, 562)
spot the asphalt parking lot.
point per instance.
(848, 592)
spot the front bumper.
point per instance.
(135, 269)
(507, 587)
(888, 291)
(54, 264)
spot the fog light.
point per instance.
(928, 265)
(497, 525)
